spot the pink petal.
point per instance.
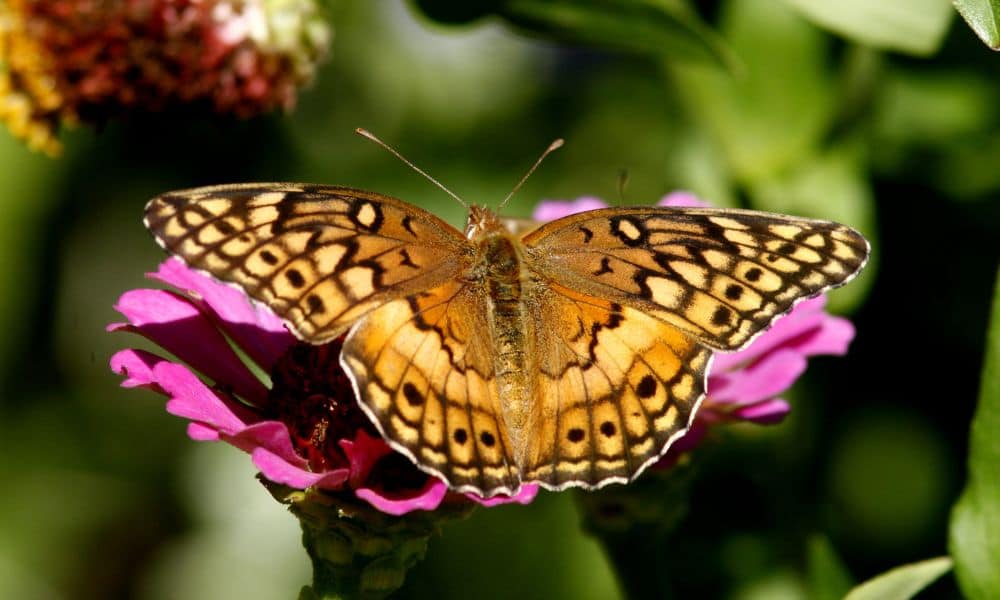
(363, 452)
(427, 499)
(254, 328)
(280, 471)
(192, 399)
(767, 412)
(216, 417)
(550, 210)
(137, 368)
(272, 435)
(833, 337)
(761, 380)
(180, 328)
(202, 433)
(524, 496)
(683, 199)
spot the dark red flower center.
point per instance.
(395, 476)
(311, 394)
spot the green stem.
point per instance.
(634, 522)
(639, 567)
(357, 552)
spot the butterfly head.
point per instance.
(482, 221)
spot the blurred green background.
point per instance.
(897, 134)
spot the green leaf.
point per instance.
(910, 26)
(697, 165)
(902, 582)
(664, 28)
(974, 537)
(828, 578)
(776, 110)
(983, 16)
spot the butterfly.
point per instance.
(572, 355)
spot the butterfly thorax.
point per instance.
(482, 221)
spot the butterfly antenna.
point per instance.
(552, 148)
(371, 136)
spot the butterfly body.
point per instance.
(573, 355)
(501, 280)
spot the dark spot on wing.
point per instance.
(295, 278)
(721, 316)
(646, 387)
(412, 394)
(405, 260)
(408, 225)
(315, 304)
(605, 266)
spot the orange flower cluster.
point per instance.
(90, 60)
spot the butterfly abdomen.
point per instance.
(502, 269)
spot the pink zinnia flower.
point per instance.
(305, 431)
(745, 385)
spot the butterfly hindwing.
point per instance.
(720, 275)
(423, 367)
(319, 256)
(614, 387)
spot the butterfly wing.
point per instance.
(424, 370)
(614, 387)
(720, 275)
(319, 256)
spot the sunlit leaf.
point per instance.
(974, 538)
(902, 582)
(911, 26)
(828, 578)
(968, 171)
(660, 27)
(983, 16)
(775, 110)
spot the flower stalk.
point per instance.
(633, 524)
(356, 550)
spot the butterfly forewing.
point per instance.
(319, 256)
(720, 275)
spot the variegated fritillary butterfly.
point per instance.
(573, 355)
